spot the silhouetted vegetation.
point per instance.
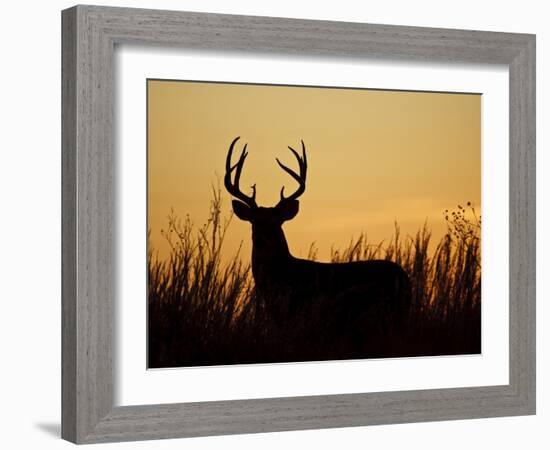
(203, 310)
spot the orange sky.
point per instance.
(374, 157)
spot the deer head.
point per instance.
(267, 234)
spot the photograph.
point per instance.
(310, 223)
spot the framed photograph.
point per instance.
(279, 224)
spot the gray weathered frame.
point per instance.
(89, 36)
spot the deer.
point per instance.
(348, 291)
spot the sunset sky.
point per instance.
(374, 157)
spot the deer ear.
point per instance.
(288, 209)
(241, 210)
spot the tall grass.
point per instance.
(203, 310)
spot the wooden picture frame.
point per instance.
(90, 34)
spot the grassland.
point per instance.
(203, 310)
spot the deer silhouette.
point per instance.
(348, 291)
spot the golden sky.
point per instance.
(374, 157)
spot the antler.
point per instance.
(300, 178)
(233, 187)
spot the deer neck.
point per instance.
(269, 249)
